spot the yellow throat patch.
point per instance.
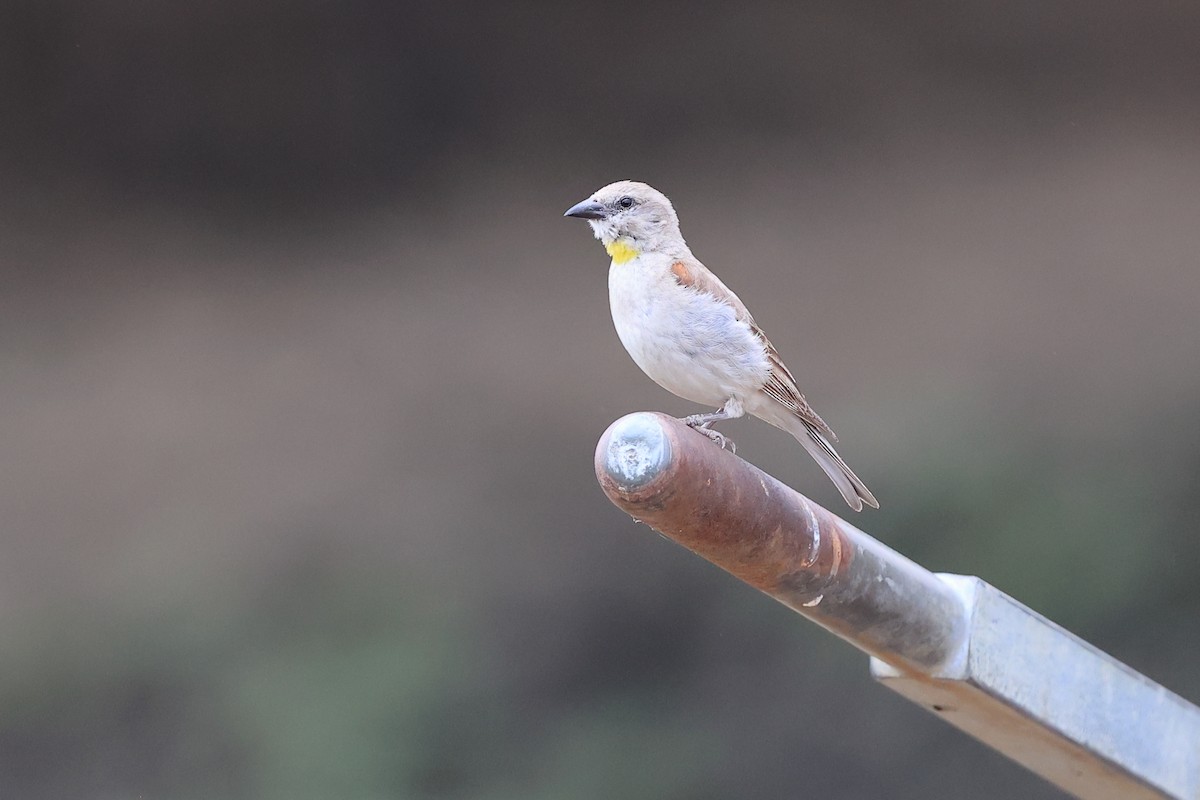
(621, 252)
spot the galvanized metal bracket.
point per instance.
(1054, 703)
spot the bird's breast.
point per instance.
(685, 340)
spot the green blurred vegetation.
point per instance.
(342, 679)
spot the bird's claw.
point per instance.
(696, 422)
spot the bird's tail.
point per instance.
(853, 489)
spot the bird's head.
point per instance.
(631, 218)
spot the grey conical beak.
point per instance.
(588, 209)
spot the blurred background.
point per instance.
(303, 372)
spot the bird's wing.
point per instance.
(780, 385)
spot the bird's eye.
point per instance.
(625, 202)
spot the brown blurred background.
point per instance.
(303, 372)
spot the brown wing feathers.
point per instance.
(780, 385)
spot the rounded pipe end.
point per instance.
(634, 452)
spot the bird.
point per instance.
(692, 335)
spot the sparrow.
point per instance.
(695, 337)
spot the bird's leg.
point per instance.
(719, 439)
(702, 423)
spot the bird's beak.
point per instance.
(588, 209)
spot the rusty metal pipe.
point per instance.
(660, 472)
(951, 643)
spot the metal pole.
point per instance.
(954, 644)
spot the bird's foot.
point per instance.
(699, 424)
